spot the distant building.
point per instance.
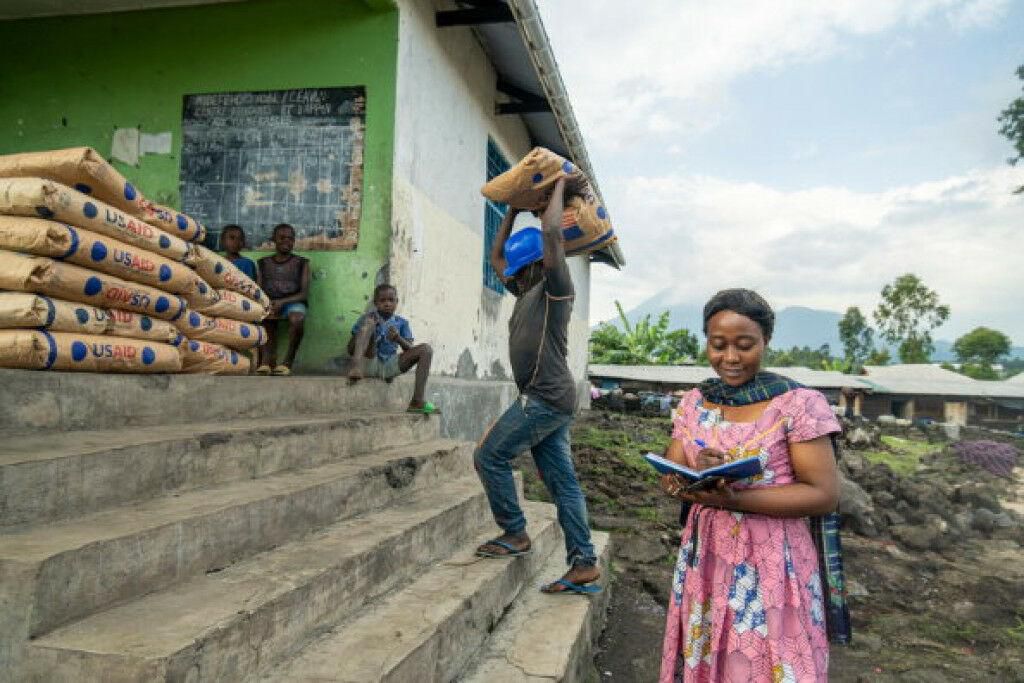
(928, 391)
(668, 378)
(903, 391)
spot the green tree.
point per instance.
(979, 371)
(805, 357)
(1012, 119)
(644, 343)
(857, 337)
(907, 314)
(982, 346)
(879, 356)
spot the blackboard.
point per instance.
(257, 159)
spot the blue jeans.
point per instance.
(533, 424)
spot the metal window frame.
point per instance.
(496, 164)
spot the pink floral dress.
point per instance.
(746, 601)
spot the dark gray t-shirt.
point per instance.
(538, 339)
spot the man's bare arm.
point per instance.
(498, 248)
(551, 224)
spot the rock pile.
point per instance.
(943, 501)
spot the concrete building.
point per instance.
(667, 378)
(928, 391)
(903, 391)
(453, 93)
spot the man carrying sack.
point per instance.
(533, 267)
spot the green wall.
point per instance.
(79, 78)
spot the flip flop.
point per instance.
(570, 587)
(512, 550)
(282, 371)
(263, 370)
(427, 409)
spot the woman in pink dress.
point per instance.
(747, 599)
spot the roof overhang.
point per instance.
(25, 9)
(513, 36)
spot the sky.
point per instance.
(811, 150)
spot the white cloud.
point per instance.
(664, 66)
(824, 247)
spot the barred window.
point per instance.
(493, 215)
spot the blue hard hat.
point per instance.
(523, 248)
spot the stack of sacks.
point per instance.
(528, 185)
(214, 333)
(134, 337)
(74, 249)
(130, 275)
(85, 170)
(104, 244)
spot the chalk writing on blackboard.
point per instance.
(279, 156)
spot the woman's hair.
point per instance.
(231, 228)
(747, 303)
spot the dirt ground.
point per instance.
(956, 614)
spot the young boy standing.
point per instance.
(377, 336)
(232, 242)
(284, 276)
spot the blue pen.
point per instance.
(700, 442)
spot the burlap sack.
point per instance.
(200, 295)
(22, 310)
(86, 171)
(586, 226)
(85, 248)
(223, 274)
(42, 275)
(49, 199)
(184, 226)
(224, 331)
(42, 350)
(200, 357)
(235, 306)
(528, 184)
(139, 326)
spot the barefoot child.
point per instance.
(378, 336)
(284, 276)
(232, 242)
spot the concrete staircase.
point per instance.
(278, 529)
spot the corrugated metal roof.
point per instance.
(932, 380)
(660, 374)
(695, 374)
(910, 380)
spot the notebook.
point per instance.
(737, 469)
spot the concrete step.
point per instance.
(431, 629)
(67, 401)
(226, 626)
(80, 566)
(547, 637)
(45, 477)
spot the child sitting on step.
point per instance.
(232, 242)
(284, 276)
(378, 336)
